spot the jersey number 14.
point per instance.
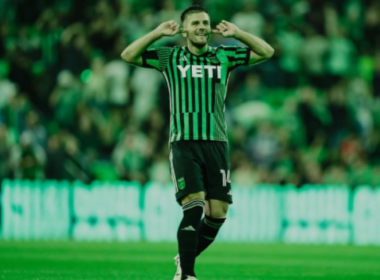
(226, 179)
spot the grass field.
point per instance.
(145, 261)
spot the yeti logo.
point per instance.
(197, 71)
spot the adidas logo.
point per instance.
(229, 193)
(184, 58)
(189, 228)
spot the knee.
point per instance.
(189, 197)
(220, 211)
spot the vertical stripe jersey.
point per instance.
(197, 88)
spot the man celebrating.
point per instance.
(197, 77)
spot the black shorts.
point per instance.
(201, 166)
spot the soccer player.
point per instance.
(197, 77)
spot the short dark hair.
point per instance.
(192, 10)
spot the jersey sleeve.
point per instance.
(237, 56)
(156, 58)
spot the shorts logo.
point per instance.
(181, 183)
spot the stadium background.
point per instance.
(71, 109)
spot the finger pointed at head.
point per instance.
(183, 32)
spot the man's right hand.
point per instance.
(132, 54)
(169, 28)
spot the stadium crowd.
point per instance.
(70, 108)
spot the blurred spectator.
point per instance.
(87, 133)
(353, 20)
(117, 74)
(335, 175)
(55, 157)
(311, 173)
(312, 122)
(291, 42)
(50, 31)
(14, 113)
(359, 99)
(65, 98)
(373, 147)
(360, 173)
(243, 175)
(102, 30)
(263, 147)
(249, 20)
(341, 117)
(75, 164)
(375, 176)
(131, 154)
(372, 27)
(159, 170)
(28, 159)
(75, 49)
(376, 76)
(342, 51)
(316, 151)
(8, 90)
(5, 148)
(314, 52)
(145, 93)
(251, 89)
(351, 150)
(95, 88)
(341, 55)
(35, 129)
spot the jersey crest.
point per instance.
(213, 59)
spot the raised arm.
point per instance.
(132, 53)
(260, 50)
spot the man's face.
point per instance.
(198, 28)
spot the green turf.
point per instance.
(140, 261)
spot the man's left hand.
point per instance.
(226, 29)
